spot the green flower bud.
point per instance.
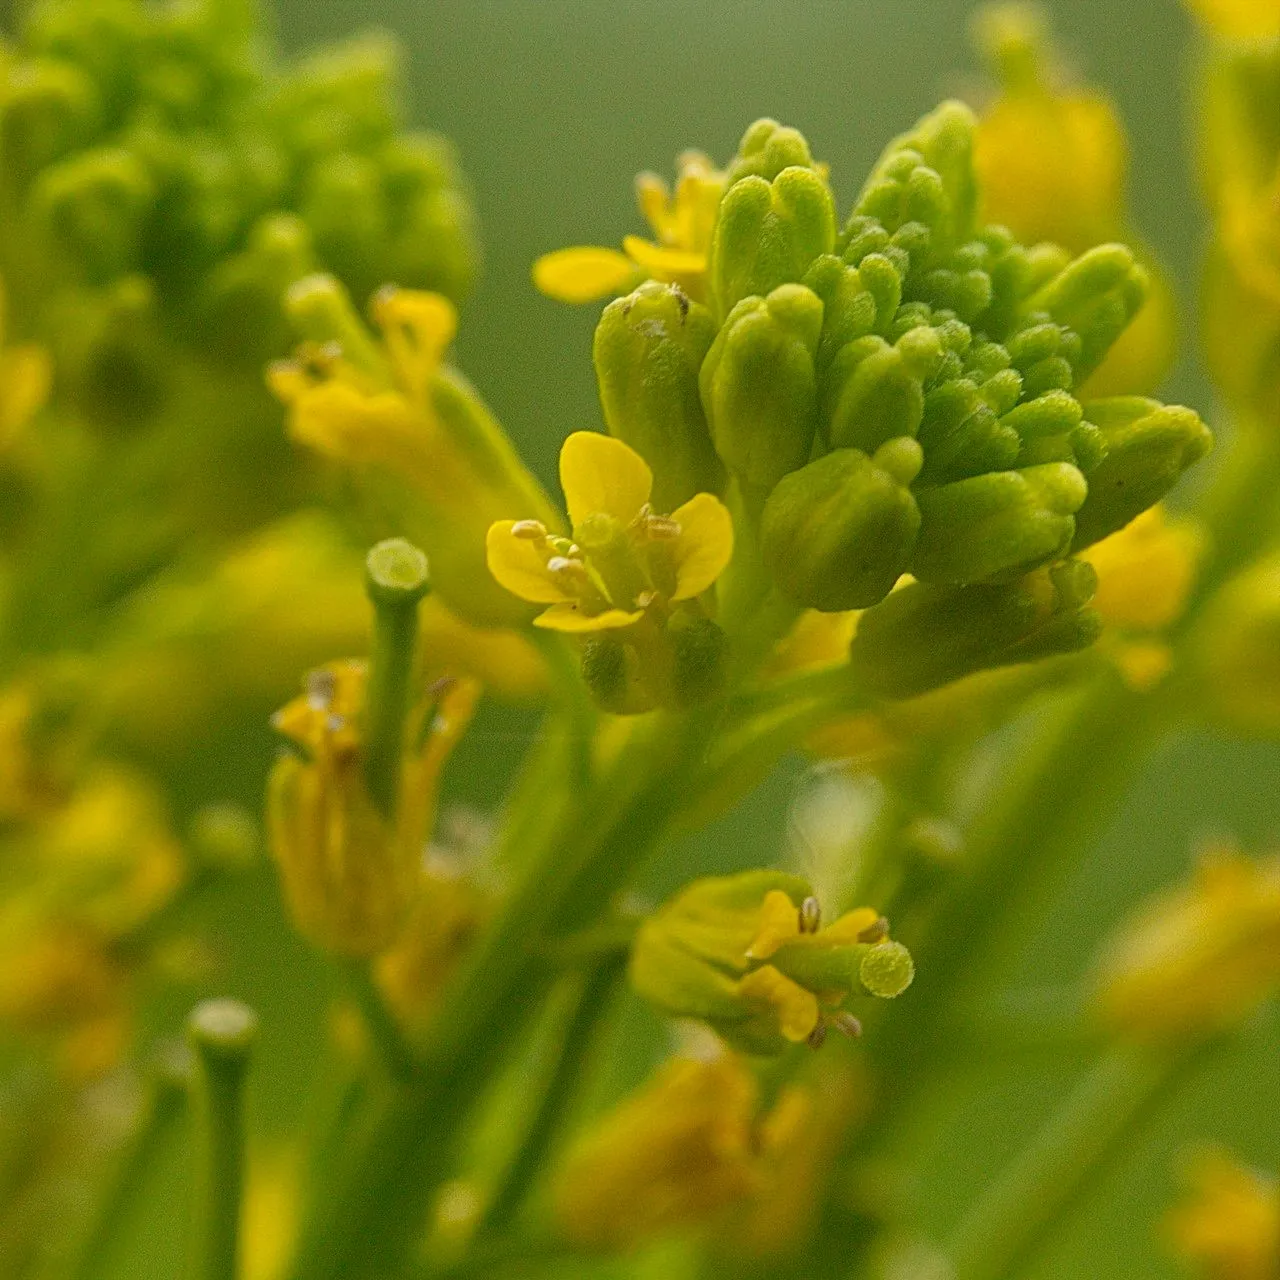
(613, 672)
(758, 385)
(838, 533)
(49, 109)
(923, 636)
(849, 307)
(1148, 447)
(997, 526)
(698, 652)
(875, 392)
(1096, 296)
(648, 350)
(768, 233)
(766, 149)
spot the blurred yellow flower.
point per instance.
(1239, 19)
(624, 561)
(1196, 959)
(350, 875)
(1228, 1226)
(683, 1148)
(682, 224)
(25, 376)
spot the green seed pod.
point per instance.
(612, 671)
(759, 388)
(1148, 447)
(998, 526)
(1096, 295)
(923, 636)
(875, 392)
(649, 347)
(698, 649)
(769, 233)
(838, 533)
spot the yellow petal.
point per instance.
(666, 264)
(849, 927)
(779, 923)
(797, 1009)
(25, 374)
(569, 616)
(518, 565)
(705, 545)
(584, 273)
(601, 475)
(418, 327)
(1240, 19)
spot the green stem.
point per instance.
(97, 1254)
(222, 1033)
(1016, 1216)
(573, 1058)
(579, 711)
(395, 1051)
(396, 579)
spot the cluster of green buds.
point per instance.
(173, 183)
(897, 396)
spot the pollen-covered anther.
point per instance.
(660, 528)
(568, 572)
(529, 530)
(876, 932)
(810, 914)
(321, 688)
(846, 1024)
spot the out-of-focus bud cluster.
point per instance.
(173, 181)
(1240, 155)
(901, 395)
(749, 956)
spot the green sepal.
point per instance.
(998, 526)
(923, 636)
(649, 347)
(1148, 445)
(838, 533)
(759, 387)
(768, 233)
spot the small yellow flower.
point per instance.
(349, 874)
(682, 224)
(817, 640)
(1199, 958)
(1228, 1227)
(624, 562)
(672, 1156)
(25, 376)
(1240, 19)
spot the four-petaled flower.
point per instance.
(624, 561)
(682, 223)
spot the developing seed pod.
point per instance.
(768, 233)
(649, 347)
(838, 533)
(998, 526)
(1148, 445)
(759, 388)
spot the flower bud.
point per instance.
(766, 149)
(923, 636)
(698, 651)
(768, 233)
(649, 347)
(874, 392)
(837, 534)
(758, 385)
(1148, 447)
(997, 526)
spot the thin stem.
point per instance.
(580, 712)
(222, 1033)
(1021, 1209)
(396, 579)
(574, 1053)
(397, 1054)
(164, 1105)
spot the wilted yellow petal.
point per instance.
(570, 617)
(584, 273)
(796, 1008)
(705, 544)
(603, 476)
(517, 564)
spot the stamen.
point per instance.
(817, 1037)
(847, 1025)
(322, 687)
(810, 915)
(877, 932)
(571, 573)
(529, 530)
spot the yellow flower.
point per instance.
(1228, 1227)
(817, 640)
(25, 377)
(1145, 574)
(1199, 958)
(624, 562)
(1240, 19)
(350, 875)
(686, 1146)
(412, 428)
(681, 223)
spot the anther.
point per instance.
(877, 932)
(529, 530)
(817, 1037)
(847, 1025)
(810, 915)
(661, 528)
(571, 572)
(321, 688)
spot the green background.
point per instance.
(554, 105)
